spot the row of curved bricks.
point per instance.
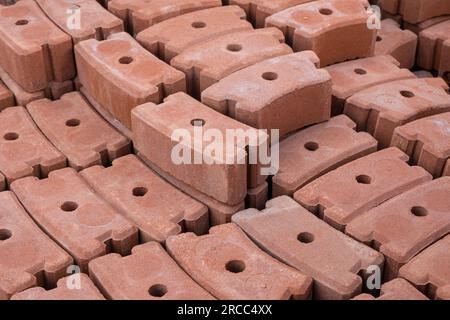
(235, 266)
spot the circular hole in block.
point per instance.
(140, 191)
(407, 94)
(198, 122)
(11, 136)
(364, 179)
(158, 290)
(305, 237)
(234, 47)
(73, 123)
(126, 60)
(419, 211)
(311, 146)
(22, 22)
(326, 11)
(198, 25)
(360, 71)
(235, 266)
(270, 76)
(379, 39)
(5, 234)
(69, 206)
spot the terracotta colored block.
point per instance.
(158, 209)
(400, 44)
(141, 14)
(354, 76)
(335, 30)
(405, 225)
(171, 37)
(24, 149)
(349, 191)
(314, 151)
(86, 291)
(21, 97)
(426, 141)
(219, 213)
(257, 197)
(149, 273)
(120, 74)
(285, 93)
(34, 51)
(447, 169)
(418, 28)
(56, 90)
(6, 97)
(390, 6)
(380, 109)
(434, 49)
(332, 259)
(27, 256)
(420, 10)
(221, 176)
(429, 271)
(2, 182)
(397, 289)
(95, 22)
(206, 63)
(228, 265)
(80, 133)
(79, 220)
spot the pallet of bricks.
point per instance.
(108, 114)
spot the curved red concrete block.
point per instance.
(421, 10)
(6, 97)
(397, 289)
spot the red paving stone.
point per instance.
(353, 76)
(421, 10)
(75, 217)
(229, 266)
(119, 74)
(34, 51)
(206, 63)
(397, 289)
(6, 97)
(95, 22)
(28, 257)
(405, 225)
(429, 270)
(171, 37)
(380, 109)
(285, 93)
(336, 30)
(400, 44)
(21, 97)
(149, 273)
(426, 141)
(349, 191)
(76, 287)
(78, 131)
(141, 14)
(24, 149)
(314, 151)
(158, 209)
(335, 271)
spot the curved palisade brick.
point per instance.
(149, 273)
(206, 63)
(34, 51)
(405, 225)
(78, 131)
(160, 135)
(397, 289)
(74, 216)
(28, 257)
(171, 37)
(418, 28)
(228, 265)
(95, 22)
(285, 93)
(426, 141)
(67, 289)
(158, 209)
(120, 74)
(6, 97)
(430, 270)
(420, 10)
(349, 191)
(434, 49)
(141, 14)
(400, 44)
(380, 109)
(335, 30)
(353, 76)
(314, 151)
(295, 236)
(24, 149)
